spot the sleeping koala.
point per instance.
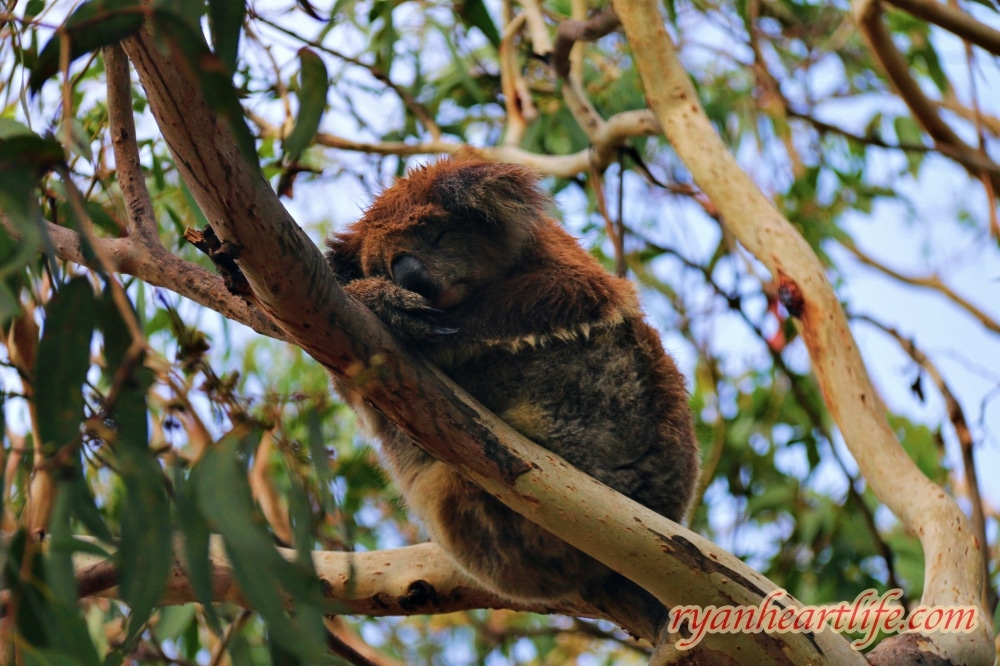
(462, 260)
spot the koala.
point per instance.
(463, 262)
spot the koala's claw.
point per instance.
(437, 330)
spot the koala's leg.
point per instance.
(638, 611)
(505, 551)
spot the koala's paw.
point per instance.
(406, 313)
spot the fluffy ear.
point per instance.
(344, 255)
(504, 195)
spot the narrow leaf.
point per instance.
(196, 549)
(226, 22)
(312, 103)
(146, 554)
(473, 14)
(187, 46)
(224, 498)
(93, 25)
(63, 361)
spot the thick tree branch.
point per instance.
(954, 573)
(293, 285)
(401, 581)
(141, 222)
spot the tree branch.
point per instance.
(930, 282)
(517, 99)
(954, 572)
(868, 15)
(413, 580)
(615, 130)
(155, 266)
(572, 31)
(141, 222)
(973, 162)
(954, 20)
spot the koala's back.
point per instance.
(611, 403)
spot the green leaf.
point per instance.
(190, 11)
(85, 507)
(473, 14)
(59, 559)
(10, 128)
(52, 628)
(79, 139)
(196, 550)
(312, 103)
(321, 458)
(24, 158)
(102, 219)
(93, 25)
(63, 361)
(223, 496)
(226, 23)
(385, 37)
(146, 555)
(908, 132)
(34, 8)
(187, 46)
(174, 621)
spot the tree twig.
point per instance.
(572, 31)
(520, 110)
(933, 282)
(615, 131)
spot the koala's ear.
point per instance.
(344, 255)
(506, 195)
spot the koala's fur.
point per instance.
(462, 260)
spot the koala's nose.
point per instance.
(410, 274)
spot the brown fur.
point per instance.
(463, 261)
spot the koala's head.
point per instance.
(450, 228)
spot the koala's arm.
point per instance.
(406, 313)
